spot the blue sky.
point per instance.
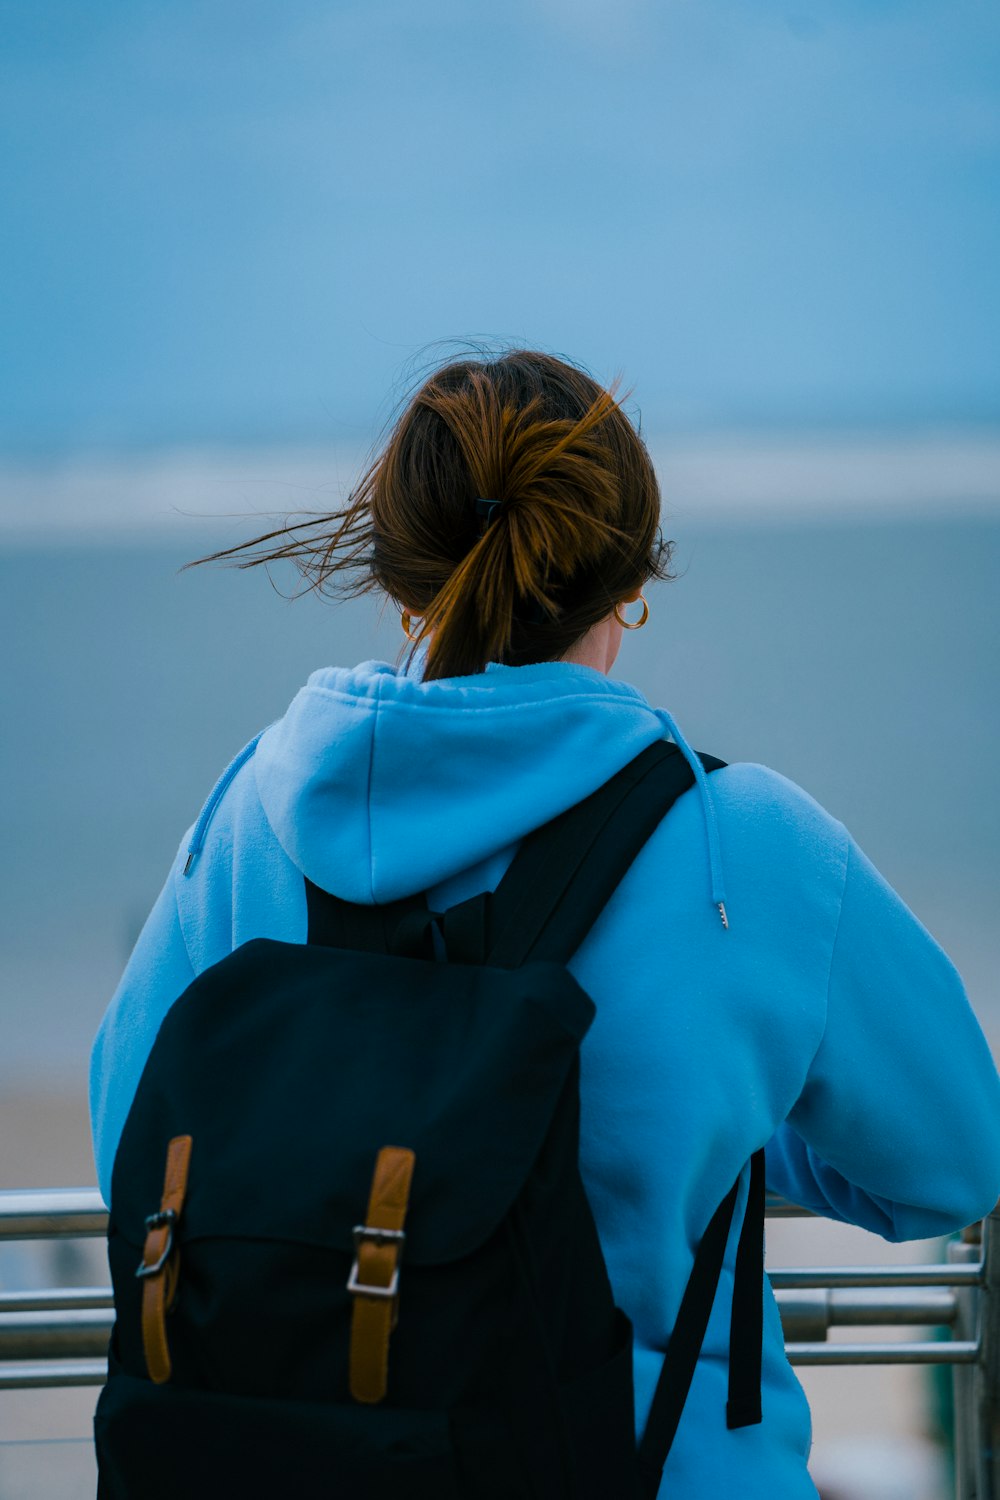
(243, 222)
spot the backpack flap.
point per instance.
(291, 1067)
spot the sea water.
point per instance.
(855, 652)
(858, 658)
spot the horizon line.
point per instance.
(182, 489)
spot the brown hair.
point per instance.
(574, 532)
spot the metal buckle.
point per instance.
(163, 1217)
(363, 1232)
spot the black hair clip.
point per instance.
(486, 509)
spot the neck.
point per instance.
(598, 648)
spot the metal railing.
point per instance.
(59, 1337)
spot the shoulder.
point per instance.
(774, 833)
(761, 799)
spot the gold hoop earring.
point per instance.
(406, 620)
(634, 624)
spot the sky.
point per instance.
(252, 223)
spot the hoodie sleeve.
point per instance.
(158, 971)
(898, 1126)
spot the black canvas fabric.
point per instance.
(456, 1035)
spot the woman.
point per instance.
(757, 983)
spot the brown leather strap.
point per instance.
(375, 1273)
(159, 1260)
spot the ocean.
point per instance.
(858, 658)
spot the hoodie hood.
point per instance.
(378, 785)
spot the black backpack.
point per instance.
(351, 1249)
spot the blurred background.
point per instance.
(234, 235)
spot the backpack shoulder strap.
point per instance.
(556, 886)
(371, 929)
(563, 874)
(745, 1330)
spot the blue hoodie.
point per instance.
(823, 1021)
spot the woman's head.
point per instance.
(572, 531)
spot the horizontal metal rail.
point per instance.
(806, 1316)
(38, 1336)
(796, 1278)
(948, 1352)
(61, 1325)
(50, 1374)
(55, 1336)
(57, 1299)
(52, 1213)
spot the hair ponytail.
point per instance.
(556, 501)
(574, 530)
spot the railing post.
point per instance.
(977, 1386)
(988, 1370)
(964, 1378)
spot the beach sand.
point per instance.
(45, 1135)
